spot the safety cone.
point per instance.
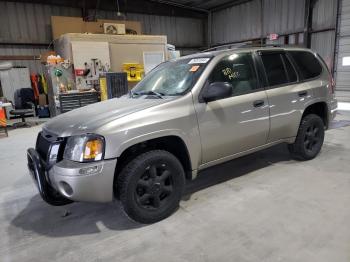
(3, 122)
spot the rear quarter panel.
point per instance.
(287, 108)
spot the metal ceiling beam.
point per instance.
(196, 6)
(197, 9)
(229, 4)
(151, 7)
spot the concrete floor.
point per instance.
(262, 207)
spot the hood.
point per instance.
(89, 118)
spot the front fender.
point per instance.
(175, 118)
(145, 137)
(192, 143)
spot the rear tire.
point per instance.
(151, 186)
(309, 140)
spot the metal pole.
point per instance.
(209, 37)
(336, 38)
(262, 28)
(307, 23)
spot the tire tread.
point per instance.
(126, 174)
(296, 149)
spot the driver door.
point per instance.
(237, 123)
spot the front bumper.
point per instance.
(66, 181)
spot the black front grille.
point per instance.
(44, 142)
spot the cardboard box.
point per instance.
(63, 24)
(114, 29)
(42, 100)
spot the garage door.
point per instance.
(343, 61)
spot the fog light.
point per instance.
(90, 170)
(67, 189)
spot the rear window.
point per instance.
(274, 67)
(308, 65)
(290, 70)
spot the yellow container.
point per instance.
(134, 71)
(103, 88)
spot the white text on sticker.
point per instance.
(199, 61)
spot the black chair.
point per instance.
(24, 106)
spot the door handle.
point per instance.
(302, 93)
(258, 103)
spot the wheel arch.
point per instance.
(171, 143)
(320, 109)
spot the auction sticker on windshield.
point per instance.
(194, 68)
(199, 61)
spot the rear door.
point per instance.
(286, 95)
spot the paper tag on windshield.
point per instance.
(194, 68)
(199, 61)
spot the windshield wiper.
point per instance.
(148, 93)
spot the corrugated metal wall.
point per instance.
(31, 23)
(34, 66)
(324, 14)
(324, 18)
(28, 23)
(237, 23)
(343, 50)
(283, 16)
(323, 43)
(181, 31)
(243, 22)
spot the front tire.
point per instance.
(309, 139)
(151, 186)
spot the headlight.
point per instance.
(84, 148)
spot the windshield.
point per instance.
(171, 78)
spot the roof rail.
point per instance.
(240, 45)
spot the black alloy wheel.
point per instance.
(310, 137)
(151, 186)
(155, 186)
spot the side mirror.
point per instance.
(216, 91)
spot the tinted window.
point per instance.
(307, 63)
(274, 67)
(237, 69)
(292, 75)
